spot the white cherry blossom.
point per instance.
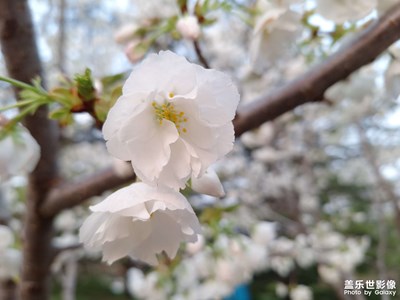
(6, 237)
(274, 35)
(140, 221)
(19, 152)
(10, 263)
(384, 5)
(173, 120)
(301, 292)
(340, 11)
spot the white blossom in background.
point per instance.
(173, 120)
(10, 258)
(6, 237)
(264, 233)
(301, 292)
(281, 290)
(144, 286)
(125, 33)
(19, 153)
(140, 221)
(384, 5)
(155, 9)
(135, 50)
(10, 263)
(259, 137)
(392, 78)
(193, 248)
(274, 36)
(188, 26)
(208, 184)
(330, 275)
(340, 11)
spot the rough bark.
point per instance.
(22, 61)
(8, 290)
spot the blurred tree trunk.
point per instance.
(18, 45)
(8, 290)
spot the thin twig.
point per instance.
(200, 55)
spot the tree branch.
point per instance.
(200, 55)
(71, 194)
(311, 86)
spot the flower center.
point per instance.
(168, 112)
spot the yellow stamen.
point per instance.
(167, 111)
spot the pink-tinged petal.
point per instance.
(226, 137)
(177, 171)
(217, 97)
(118, 227)
(125, 107)
(197, 132)
(208, 184)
(150, 75)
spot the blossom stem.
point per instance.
(200, 55)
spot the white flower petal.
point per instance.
(6, 237)
(340, 11)
(177, 171)
(208, 184)
(217, 97)
(140, 221)
(149, 142)
(165, 71)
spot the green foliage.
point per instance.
(85, 86)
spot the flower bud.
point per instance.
(188, 27)
(208, 184)
(135, 50)
(125, 33)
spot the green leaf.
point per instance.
(62, 115)
(65, 97)
(102, 106)
(85, 86)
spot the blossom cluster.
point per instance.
(172, 122)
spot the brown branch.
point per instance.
(8, 290)
(22, 60)
(71, 194)
(311, 86)
(200, 55)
